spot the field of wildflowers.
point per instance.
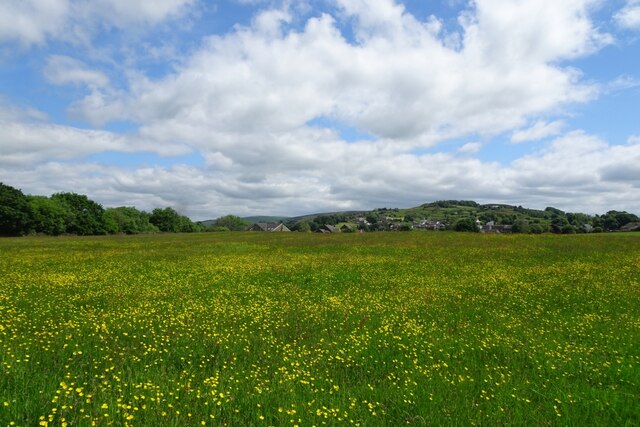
(242, 329)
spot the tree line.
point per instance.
(71, 213)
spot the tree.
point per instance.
(521, 226)
(232, 222)
(130, 220)
(50, 216)
(466, 224)
(372, 218)
(188, 226)
(87, 216)
(168, 220)
(405, 226)
(327, 219)
(559, 224)
(551, 211)
(15, 212)
(613, 220)
(536, 229)
(301, 226)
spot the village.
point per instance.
(385, 223)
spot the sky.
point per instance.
(278, 107)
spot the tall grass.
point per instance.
(294, 329)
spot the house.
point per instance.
(632, 226)
(429, 224)
(272, 227)
(346, 228)
(328, 228)
(362, 221)
(492, 228)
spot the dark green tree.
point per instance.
(302, 226)
(536, 229)
(559, 223)
(521, 226)
(130, 220)
(168, 220)
(553, 211)
(232, 222)
(50, 216)
(405, 226)
(15, 212)
(466, 224)
(372, 218)
(87, 216)
(613, 220)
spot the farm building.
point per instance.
(328, 228)
(272, 227)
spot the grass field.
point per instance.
(392, 329)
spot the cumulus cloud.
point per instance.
(32, 22)
(470, 148)
(123, 13)
(576, 171)
(629, 16)
(27, 139)
(62, 70)
(398, 82)
(538, 131)
(530, 32)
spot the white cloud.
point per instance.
(629, 16)
(399, 83)
(314, 171)
(123, 13)
(62, 70)
(538, 131)
(531, 32)
(27, 139)
(622, 82)
(470, 148)
(310, 170)
(32, 22)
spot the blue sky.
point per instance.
(279, 107)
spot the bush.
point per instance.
(466, 225)
(536, 229)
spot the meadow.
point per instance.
(258, 329)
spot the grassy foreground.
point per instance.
(243, 329)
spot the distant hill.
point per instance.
(207, 223)
(448, 212)
(311, 217)
(248, 220)
(254, 219)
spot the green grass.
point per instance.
(299, 329)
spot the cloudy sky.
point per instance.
(290, 107)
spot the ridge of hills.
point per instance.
(448, 212)
(443, 210)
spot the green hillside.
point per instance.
(445, 214)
